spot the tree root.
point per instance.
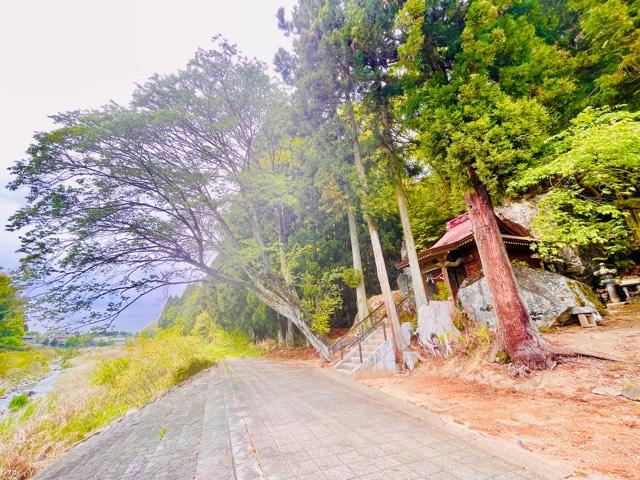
(560, 354)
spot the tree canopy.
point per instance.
(390, 113)
(12, 320)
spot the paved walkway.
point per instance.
(253, 418)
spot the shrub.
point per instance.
(109, 371)
(18, 365)
(190, 368)
(18, 402)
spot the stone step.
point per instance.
(369, 345)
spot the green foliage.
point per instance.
(66, 354)
(183, 311)
(500, 87)
(444, 293)
(109, 372)
(189, 368)
(609, 50)
(145, 369)
(11, 315)
(17, 366)
(431, 90)
(321, 298)
(352, 277)
(431, 204)
(153, 365)
(72, 342)
(591, 175)
(18, 402)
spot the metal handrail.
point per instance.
(362, 335)
(356, 325)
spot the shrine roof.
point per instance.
(460, 232)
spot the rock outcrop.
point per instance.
(573, 262)
(550, 297)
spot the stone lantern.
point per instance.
(607, 279)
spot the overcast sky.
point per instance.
(59, 55)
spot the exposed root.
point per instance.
(560, 354)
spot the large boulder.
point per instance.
(573, 262)
(550, 297)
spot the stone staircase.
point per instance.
(374, 348)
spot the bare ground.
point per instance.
(554, 412)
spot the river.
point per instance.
(37, 388)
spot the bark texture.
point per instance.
(412, 255)
(291, 312)
(378, 254)
(361, 293)
(522, 343)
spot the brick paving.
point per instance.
(254, 418)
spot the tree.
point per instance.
(478, 135)
(589, 178)
(72, 342)
(12, 321)
(372, 27)
(338, 198)
(127, 200)
(327, 86)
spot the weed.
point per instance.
(66, 354)
(18, 402)
(163, 431)
(18, 365)
(190, 368)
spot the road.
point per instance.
(256, 418)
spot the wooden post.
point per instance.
(522, 343)
(445, 275)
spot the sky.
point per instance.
(65, 55)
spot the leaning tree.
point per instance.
(123, 201)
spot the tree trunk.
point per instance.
(290, 338)
(378, 255)
(281, 331)
(286, 272)
(361, 294)
(419, 292)
(522, 343)
(440, 323)
(390, 305)
(290, 312)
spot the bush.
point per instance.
(190, 368)
(18, 365)
(18, 402)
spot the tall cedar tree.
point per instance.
(329, 78)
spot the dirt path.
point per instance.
(256, 418)
(553, 413)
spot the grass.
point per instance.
(18, 402)
(96, 390)
(19, 365)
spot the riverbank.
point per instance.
(100, 385)
(31, 388)
(19, 368)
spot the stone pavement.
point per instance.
(255, 418)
